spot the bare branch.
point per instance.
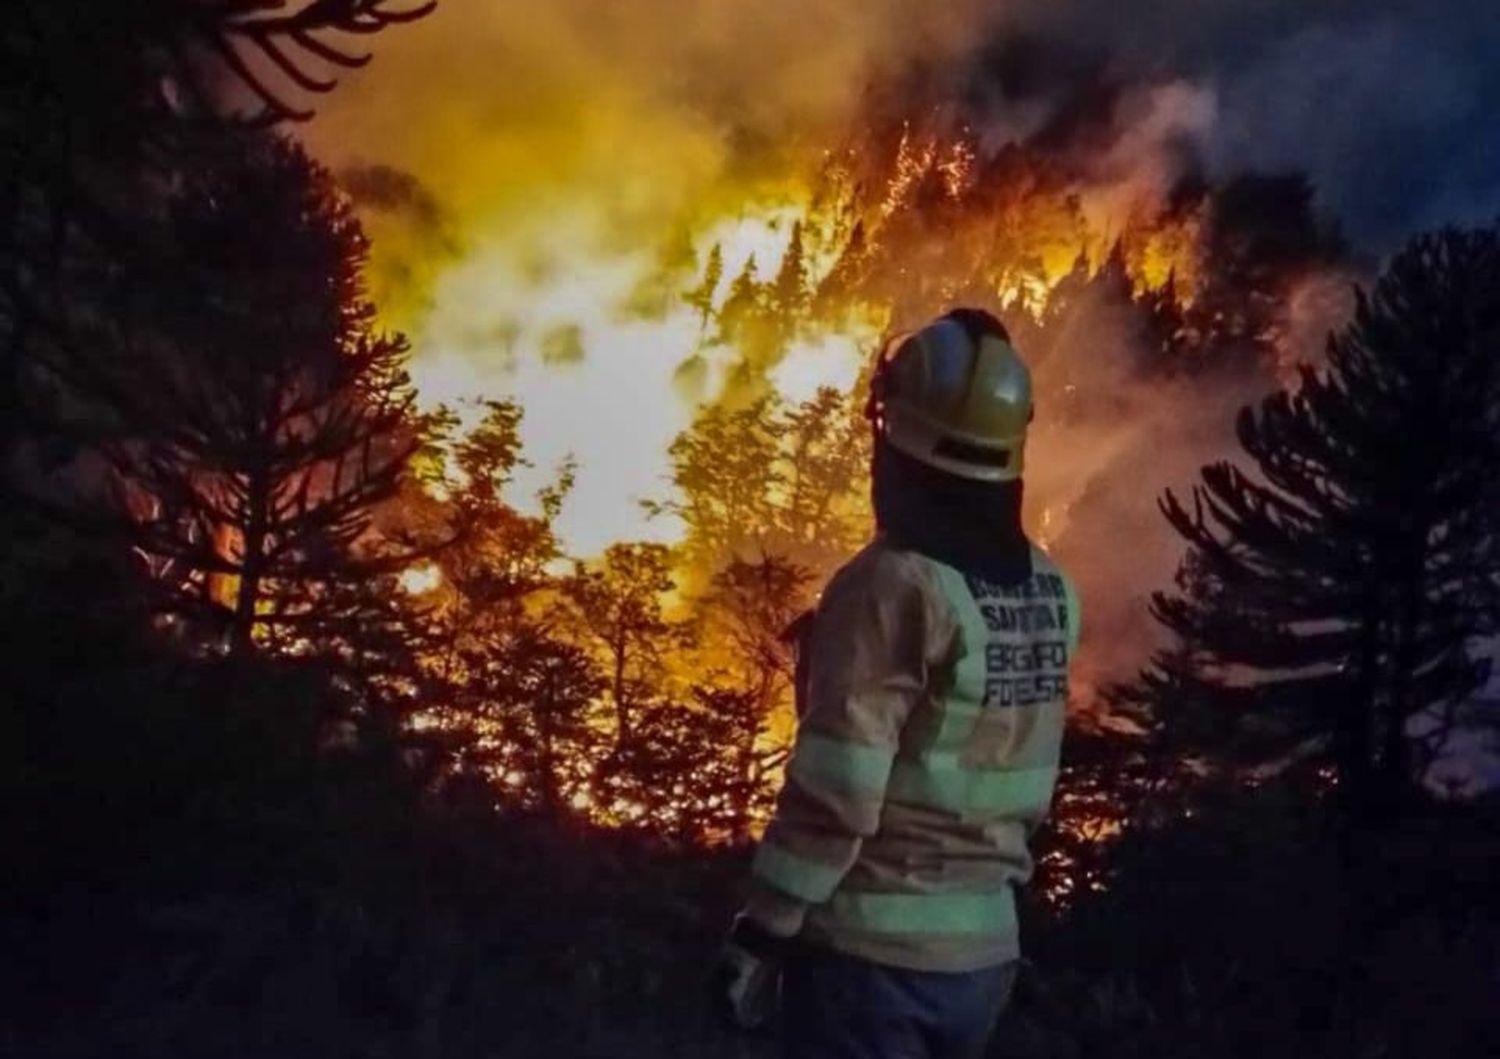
(290, 42)
(268, 45)
(327, 52)
(274, 108)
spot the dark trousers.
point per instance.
(840, 1007)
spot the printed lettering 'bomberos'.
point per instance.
(1021, 667)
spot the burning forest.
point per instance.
(423, 481)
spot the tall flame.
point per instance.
(604, 351)
(537, 233)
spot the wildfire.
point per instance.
(613, 350)
(552, 257)
(625, 345)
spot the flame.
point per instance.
(603, 349)
(548, 256)
(825, 360)
(650, 217)
(421, 579)
(602, 379)
(611, 358)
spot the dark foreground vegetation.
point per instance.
(190, 888)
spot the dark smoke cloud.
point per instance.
(410, 223)
(1392, 107)
(391, 190)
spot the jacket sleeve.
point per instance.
(1075, 616)
(1073, 619)
(869, 651)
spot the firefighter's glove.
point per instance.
(747, 979)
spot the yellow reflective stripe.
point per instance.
(1074, 614)
(960, 709)
(941, 783)
(819, 760)
(810, 880)
(992, 912)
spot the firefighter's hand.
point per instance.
(747, 978)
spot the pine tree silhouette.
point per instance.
(1332, 588)
(250, 414)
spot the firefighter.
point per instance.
(932, 682)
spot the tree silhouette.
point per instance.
(749, 653)
(515, 697)
(766, 479)
(724, 467)
(845, 279)
(105, 106)
(685, 776)
(1261, 234)
(249, 413)
(822, 511)
(523, 717)
(266, 48)
(618, 605)
(789, 295)
(1332, 593)
(745, 315)
(752, 604)
(701, 297)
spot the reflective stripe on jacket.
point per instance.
(926, 753)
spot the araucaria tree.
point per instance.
(250, 412)
(1330, 592)
(103, 105)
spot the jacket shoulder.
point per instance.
(881, 568)
(1043, 563)
(881, 577)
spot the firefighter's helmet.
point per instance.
(955, 395)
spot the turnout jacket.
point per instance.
(930, 722)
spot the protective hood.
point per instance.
(972, 526)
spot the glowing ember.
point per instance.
(420, 580)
